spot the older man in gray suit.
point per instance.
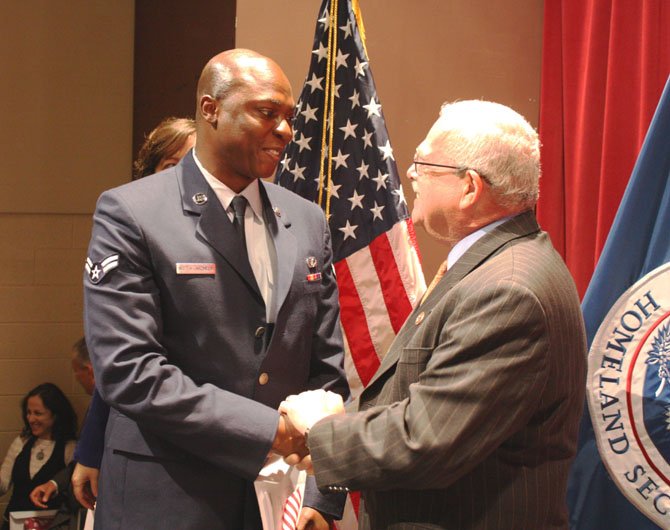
(209, 297)
(471, 420)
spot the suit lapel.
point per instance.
(520, 226)
(286, 248)
(214, 225)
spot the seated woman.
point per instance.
(44, 447)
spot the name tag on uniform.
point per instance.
(196, 268)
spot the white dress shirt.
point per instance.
(260, 247)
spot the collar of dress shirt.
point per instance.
(225, 194)
(464, 244)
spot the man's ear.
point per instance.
(473, 185)
(209, 109)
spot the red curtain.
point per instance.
(604, 66)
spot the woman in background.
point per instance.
(165, 146)
(44, 447)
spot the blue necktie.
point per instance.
(239, 204)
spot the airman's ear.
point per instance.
(209, 109)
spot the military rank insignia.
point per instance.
(98, 270)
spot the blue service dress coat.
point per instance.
(190, 367)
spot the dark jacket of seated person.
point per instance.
(44, 447)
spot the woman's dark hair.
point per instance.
(164, 141)
(65, 418)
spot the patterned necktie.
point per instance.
(239, 204)
(438, 276)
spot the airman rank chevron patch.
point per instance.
(98, 270)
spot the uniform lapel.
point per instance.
(286, 248)
(520, 226)
(214, 225)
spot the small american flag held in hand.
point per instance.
(292, 507)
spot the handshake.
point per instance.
(298, 414)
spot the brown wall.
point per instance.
(422, 53)
(66, 134)
(66, 107)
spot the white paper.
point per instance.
(274, 484)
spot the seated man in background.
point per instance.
(81, 366)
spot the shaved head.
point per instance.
(244, 114)
(232, 69)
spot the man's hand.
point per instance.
(85, 485)
(42, 493)
(301, 462)
(288, 440)
(310, 519)
(305, 409)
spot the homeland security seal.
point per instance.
(628, 389)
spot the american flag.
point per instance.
(350, 170)
(291, 513)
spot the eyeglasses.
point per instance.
(459, 169)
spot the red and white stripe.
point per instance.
(289, 520)
(379, 285)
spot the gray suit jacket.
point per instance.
(193, 372)
(471, 420)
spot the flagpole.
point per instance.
(330, 122)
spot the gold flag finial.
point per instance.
(359, 21)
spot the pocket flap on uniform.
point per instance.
(125, 435)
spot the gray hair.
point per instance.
(81, 351)
(497, 142)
